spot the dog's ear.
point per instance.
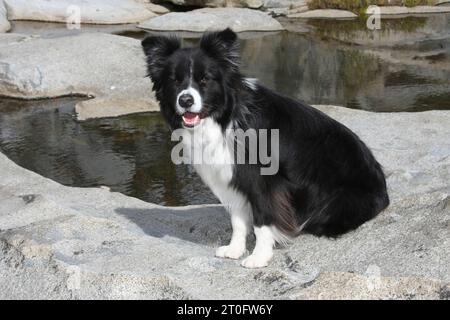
(223, 46)
(157, 50)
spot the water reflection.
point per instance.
(130, 154)
(322, 72)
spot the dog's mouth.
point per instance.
(191, 119)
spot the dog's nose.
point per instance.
(186, 100)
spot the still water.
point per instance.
(404, 67)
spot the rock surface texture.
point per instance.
(107, 67)
(92, 11)
(63, 242)
(210, 19)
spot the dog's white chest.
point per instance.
(211, 157)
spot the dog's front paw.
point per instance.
(231, 252)
(256, 261)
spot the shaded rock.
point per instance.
(208, 19)
(93, 11)
(91, 243)
(324, 14)
(4, 23)
(107, 67)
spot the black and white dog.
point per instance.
(328, 182)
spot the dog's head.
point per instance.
(192, 84)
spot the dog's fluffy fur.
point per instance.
(328, 181)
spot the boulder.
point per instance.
(4, 23)
(111, 69)
(324, 14)
(156, 8)
(208, 19)
(89, 243)
(92, 11)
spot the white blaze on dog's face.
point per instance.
(189, 105)
(190, 82)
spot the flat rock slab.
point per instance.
(92, 11)
(324, 14)
(109, 68)
(86, 243)
(218, 3)
(209, 19)
(396, 10)
(4, 23)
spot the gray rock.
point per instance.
(284, 3)
(56, 30)
(107, 67)
(4, 23)
(201, 20)
(92, 11)
(63, 242)
(156, 8)
(396, 10)
(324, 14)
(254, 4)
(219, 3)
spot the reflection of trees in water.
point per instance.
(310, 70)
(392, 30)
(323, 72)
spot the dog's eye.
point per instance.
(176, 80)
(203, 80)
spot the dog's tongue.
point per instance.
(191, 119)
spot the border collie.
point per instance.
(328, 181)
